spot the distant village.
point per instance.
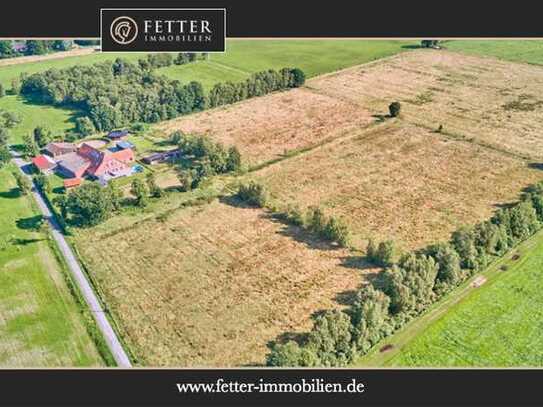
(96, 159)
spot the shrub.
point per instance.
(2, 91)
(384, 255)
(337, 231)
(394, 109)
(139, 190)
(253, 194)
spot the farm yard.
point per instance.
(211, 285)
(40, 323)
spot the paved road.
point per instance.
(84, 287)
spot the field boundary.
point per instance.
(438, 310)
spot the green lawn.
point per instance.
(315, 57)
(530, 51)
(40, 323)
(56, 119)
(496, 325)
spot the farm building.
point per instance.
(72, 183)
(58, 149)
(95, 163)
(162, 156)
(125, 145)
(44, 163)
(117, 134)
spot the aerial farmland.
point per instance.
(336, 193)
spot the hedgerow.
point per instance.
(410, 285)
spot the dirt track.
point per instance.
(37, 58)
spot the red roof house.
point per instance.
(43, 163)
(103, 162)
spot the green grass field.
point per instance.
(530, 51)
(314, 57)
(56, 119)
(241, 59)
(495, 325)
(40, 323)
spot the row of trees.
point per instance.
(10, 49)
(113, 95)
(257, 84)
(314, 220)
(410, 283)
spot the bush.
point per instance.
(254, 194)
(384, 255)
(139, 190)
(394, 109)
(2, 91)
(337, 231)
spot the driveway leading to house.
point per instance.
(83, 284)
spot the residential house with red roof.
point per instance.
(102, 165)
(44, 163)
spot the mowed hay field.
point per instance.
(213, 284)
(493, 102)
(401, 181)
(40, 323)
(267, 128)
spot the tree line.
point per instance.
(330, 228)
(8, 49)
(115, 94)
(410, 283)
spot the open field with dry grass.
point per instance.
(265, 128)
(401, 181)
(493, 102)
(212, 284)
